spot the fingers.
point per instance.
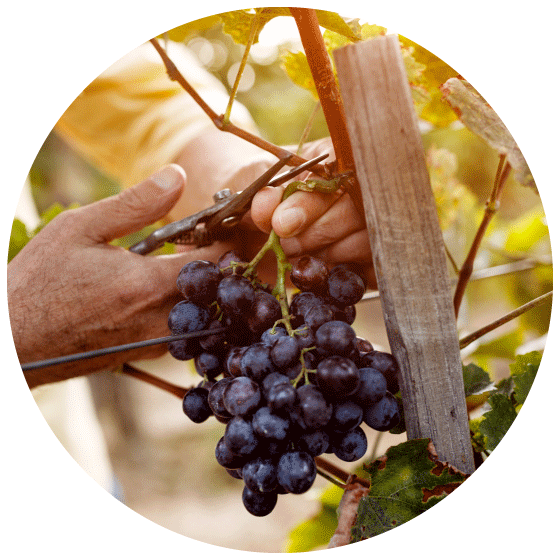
(134, 208)
(353, 248)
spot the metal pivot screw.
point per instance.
(220, 195)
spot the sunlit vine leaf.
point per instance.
(497, 421)
(181, 33)
(475, 113)
(478, 385)
(436, 72)
(297, 68)
(406, 482)
(523, 371)
(237, 23)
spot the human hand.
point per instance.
(327, 226)
(70, 291)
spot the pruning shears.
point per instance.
(217, 221)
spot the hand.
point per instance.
(325, 225)
(70, 291)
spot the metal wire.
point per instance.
(114, 349)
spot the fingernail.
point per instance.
(290, 221)
(169, 177)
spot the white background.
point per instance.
(51, 51)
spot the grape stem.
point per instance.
(155, 381)
(324, 466)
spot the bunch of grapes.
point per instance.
(287, 388)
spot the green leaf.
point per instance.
(297, 68)
(475, 379)
(331, 21)
(237, 23)
(407, 481)
(318, 530)
(183, 32)
(523, 372)
(497, 421)
(19, 237)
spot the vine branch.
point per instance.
(466, 340)
(219, 121)
(492, 204)
(329, 95)
(146, 377)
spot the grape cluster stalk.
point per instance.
(290, 380)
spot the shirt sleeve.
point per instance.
(133, 118)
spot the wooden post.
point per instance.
(406, 244)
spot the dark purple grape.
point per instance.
(315, 410)
(272, 379)
(184, 349)
(265, 311)
(198, 282)
(225, 264)
(305, 336)
(285, 351)
(337, 377)
(301, 302)
(235, 295)
(364, 346)
(214, 343)
(345, 287)
(386, 364)
(372, 387)
(310, 274)
(259, 504)
(351, 445)
(240, 437)
(268, 425)
(186, 317)
(383, 415)
(269, 336)
(242, 396)
(346, 416)
(296, 471)
(235, 473)
(259, 475)
(281, 397)
(336, 338)
(256, 362)
(208, 365)
(318, 315)
(216, 398)
(195, 405)
(315, 442)
(233, 360)
(226, 458)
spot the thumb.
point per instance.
(134, 208)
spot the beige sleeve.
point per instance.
(133, 118)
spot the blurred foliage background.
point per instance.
(151, 463)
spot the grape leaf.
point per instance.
(181, 33)
(475, 379)
(297, 68)
(407, 481)
(497, 421)
(331, 21)
(523, 372)
(317, 531)
(237, 23)
(475, 113)
(435, 73)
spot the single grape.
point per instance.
(225, 264)
(184, 349)
(235, 295)
(310, 274)
(372, 387)
(336, 338)
(272, 379)
(281, 397)
(268, 425)
(186, 317)
(233, 360)
(214, 343)
(315, 410)
(383, 415)
(296, 471)
(240, 437)
(285, 351)
(208, 365)
(305, 336)
(345, 287)
(269, 336)
(242, 396)
(346, 416)
(216, 398)
(318, 315)
(351, 445)
(265, 311)
(364, 346)
(337, 377)
(195, 405)
(226, 458)
(259, 475)
(299, 305)
(259, 504)
(198, 282)
(256, 362)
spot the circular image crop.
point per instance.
(280, 280)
